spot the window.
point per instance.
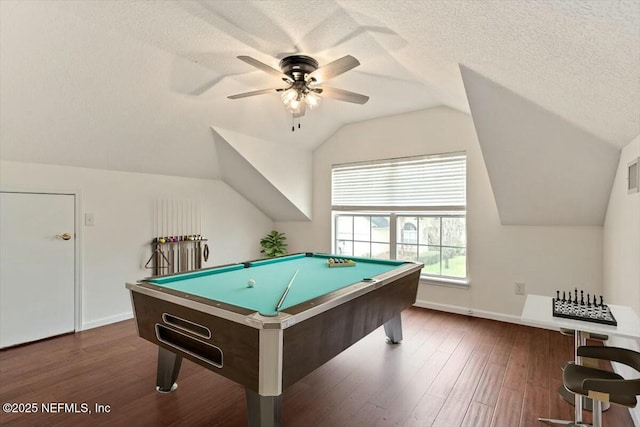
(410, 208)
(439, 242)
(363, 235)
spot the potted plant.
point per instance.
(273, 244)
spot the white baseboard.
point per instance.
(107, 320)
(508, 318)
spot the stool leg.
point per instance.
(597, 413)
(580, 340)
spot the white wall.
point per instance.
(287, 168)
(566, 170)
(622, 251)
(116, 248)
(545, 258)
(622, 237)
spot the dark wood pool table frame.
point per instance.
(268, 354)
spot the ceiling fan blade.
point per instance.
(342, 95)
(253, 93)
(333, 69)
(264, 67)
(301, 111)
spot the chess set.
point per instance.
(591, 311)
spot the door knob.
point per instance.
(65, 236)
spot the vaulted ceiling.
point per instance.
(136, 85)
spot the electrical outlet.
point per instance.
(520, 288)
(89, 220)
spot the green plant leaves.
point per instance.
(273, 244)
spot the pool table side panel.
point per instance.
(311, 343)
(239, 343)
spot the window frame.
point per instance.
(393, 243)
(395, 212)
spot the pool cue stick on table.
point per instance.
(286, 291)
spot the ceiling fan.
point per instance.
(304, 78)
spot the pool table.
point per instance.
(214, 318)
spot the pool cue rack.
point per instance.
(182, 248)
(183, 253)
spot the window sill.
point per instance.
(446, 282)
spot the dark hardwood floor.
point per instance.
(450, 371)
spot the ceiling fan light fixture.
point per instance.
(312, 99)
(289, 95)
(294, 110)
(293, 105)
(302, 74)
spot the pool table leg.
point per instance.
(264, 411)
(393, 329)
(168, 369)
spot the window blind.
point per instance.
(424, 182)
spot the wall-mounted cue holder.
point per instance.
(182, 248)
(177, 254)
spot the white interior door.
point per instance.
(37, 289)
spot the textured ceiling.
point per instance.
(135, 85)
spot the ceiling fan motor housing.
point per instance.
(297, 66)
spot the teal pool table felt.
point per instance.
(229, 284)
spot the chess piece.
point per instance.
(601, 303)
(588, 300)
(569, 297)
(581, 297)
(557, 295)
(575, 295)
(563, 296)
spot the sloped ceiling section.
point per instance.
(243, 177)
(543, 169)
(75, 94)
(288, 169)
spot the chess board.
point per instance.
(588, 313)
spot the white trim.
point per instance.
(447, 282)
(270, 364)
(398, 209)
(467, 311)
(443, 307)
(79, 264)
(77, 241)
(107, 320)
